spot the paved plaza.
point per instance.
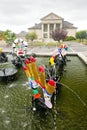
(74, 48)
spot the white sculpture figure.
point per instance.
(20, 47)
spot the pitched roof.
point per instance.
(58, 17)
(65, 24)
(68, 25)
(36, 26)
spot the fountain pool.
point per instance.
(70, 106)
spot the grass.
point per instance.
(84, 41)
(56, 43)
(45, 43)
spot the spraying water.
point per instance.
(75, 94)
(55, 112)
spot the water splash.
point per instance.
(11, 85)
(75, 94)
(6, 96)
(24, 124)
(55, 113)
(7, 122)
(2, 111)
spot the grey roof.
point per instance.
(36, 26)
(65, 24)
(68, 25)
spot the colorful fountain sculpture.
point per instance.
(37, 78)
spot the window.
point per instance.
(45, 28)
(57, 26)
(51, 27)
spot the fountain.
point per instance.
(69, 109)
(69, 106)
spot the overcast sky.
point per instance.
(19, 15)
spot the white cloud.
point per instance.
(18, 15)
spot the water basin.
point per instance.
(69, 110)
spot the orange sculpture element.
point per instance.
(36, 96)
(62, 46)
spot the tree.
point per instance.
(81, 35)
(31, 36)
(9, 36)
(27, 37)
(58, 35)
(1, 35)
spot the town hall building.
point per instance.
(49, 23)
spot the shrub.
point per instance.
(58, 35)
(31, 36)
(70, 38)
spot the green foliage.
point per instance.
(70, 38)
(27, 37)
(9, 36)
(58, 35)
(81, 35)
(31, 36)
(1, 35)
(35, 43)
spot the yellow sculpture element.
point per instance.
(34, 68)
(52, 61)
(26, 71)
(51, 86)
(0, 50)
(29, 68)
(42, 76)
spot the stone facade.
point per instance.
(49, 23)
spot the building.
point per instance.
(49, 23)
(21, 35)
